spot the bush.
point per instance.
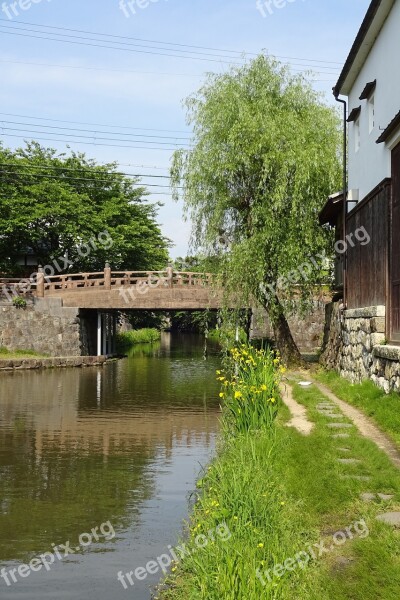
(250, 389)
(138, 336)
(19, 302)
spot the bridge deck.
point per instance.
(107, 290)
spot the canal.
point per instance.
(100, 465)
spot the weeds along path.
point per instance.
(361, 421)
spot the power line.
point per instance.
(198, 56)
(91, 143)
(240, 52)
(294, 68)
(94, 137)
(108, 41)
(64, 168)
(95, 131)
(92, 124)
(48, 39)
(20, 62)
(86, 179)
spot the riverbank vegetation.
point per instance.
(9, 355)
(125, 339)
(299, 528)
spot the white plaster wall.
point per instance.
(372, 163)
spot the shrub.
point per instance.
(19, 302)
(250, 388)
(138, 336)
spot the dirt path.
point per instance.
(299, 414)
(362, 422)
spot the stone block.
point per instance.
(378, 325)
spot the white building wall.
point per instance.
(372, 163)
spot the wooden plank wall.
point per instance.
(367, 265)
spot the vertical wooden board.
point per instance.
(395, 247)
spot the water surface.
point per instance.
(120, 445)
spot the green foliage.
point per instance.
(198, 321)
(265, 158)
(19, 302)
(9, 354)
(250, 391)
(138, 336)
(52, 204)
(146, 319)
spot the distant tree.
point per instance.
(58, 205)
(265, 156)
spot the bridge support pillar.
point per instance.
(106, 334)
(99, 333)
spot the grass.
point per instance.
(125, 339)
(280, 492)
(16, 354)
(383, 408)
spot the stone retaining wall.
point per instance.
(307, 330)
(354, 345)
(45, 327)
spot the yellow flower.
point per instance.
(235, 518)
(238, 395)
(218, 372)
(222, 395)
(264, 387)
(261, 545)
(282, 503)
(272, 400)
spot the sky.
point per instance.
(131, 92)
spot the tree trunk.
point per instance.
(287, 347)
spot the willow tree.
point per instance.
(265, 156)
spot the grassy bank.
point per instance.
(9, 355)
(383, 408)
(125, 339)
(298, 528)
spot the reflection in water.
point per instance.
(79, 448)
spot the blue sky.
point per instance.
(145, 91)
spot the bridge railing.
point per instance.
(11, 287)
(108, 280)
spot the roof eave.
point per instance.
(372, 24)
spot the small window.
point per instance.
(371, 113)
(357, 133)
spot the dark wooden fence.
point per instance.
(367, 265)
